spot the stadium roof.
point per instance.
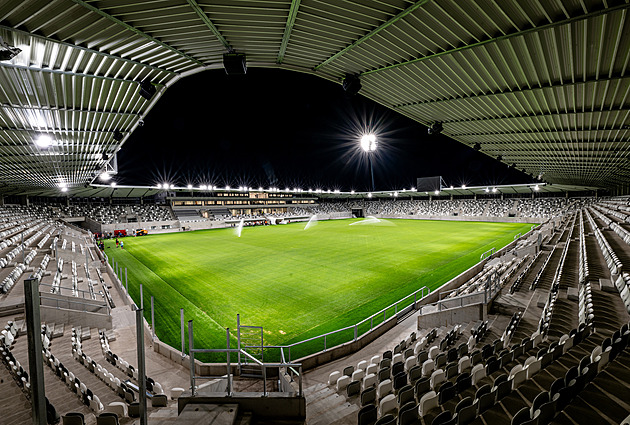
(543, 84)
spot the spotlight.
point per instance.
(351, 84)
(113, 184)
(514, 165)
(189, 186)
(477, 147)
(487, 189)
(500, 158)
(395, 194)
(234, 63)
(352, 192)
(105, 176)
(413, 189)
(43, 141)
(437, 192)
(494, 190)
(369, 142)
(118, 136)
(369, 195)
(463, 186)
(147, 89)
(7, 52)
(536, 187)
(436, 128)
(64, 189)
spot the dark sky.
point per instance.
(287, 129)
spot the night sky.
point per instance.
(287, 129)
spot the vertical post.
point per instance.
(238, 338)
(264, 369)
(152, 319)
(141, 298)
(56, 250)
(126, 281)
(300, 382)
(23, 259)
(181, 313)
(229, 367)
(415, 299)
(142, 382)
(355, 331)
(35, 362)
(325, 342)
(192, 357)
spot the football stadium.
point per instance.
(344, 212)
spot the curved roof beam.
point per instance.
(295, 5)
(375, 31)
(606, 11)
(135, 30)
(209, 24)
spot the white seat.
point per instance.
(603, 359)
(478, 373)
(428, 367)
(358, 375)
(518, 378)
(375, 359)
(343, 382)
(463, 364)
(532, 369)
(333, 377)
(596, 354)
(433, 352)
(119, 408)
(437, 377)
(373, 368)
(397, 358)
(410, 362)
(387, 404)
(427, 402)
(369, 381)
(176, 392)
(384, 388)
(157, 387)
(514, 370)
(362, 364)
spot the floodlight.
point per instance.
(463, 186)
(487, 189)
(536, 187)
(352, 192)
(477, 146)
(64, 189)
(368, 142)
(203, 187)
(260, 189)
(451, 186)
(159, 185)
(395, 194)
(351, 84)
(172, 186)
(105, 176)
(147, 89)
(43, 141)
(189, 186)
(494, 190)
(369, 195)
(436, 128)
(7, 52)
(165, 186)
(413, 189)
(113, 184)
(437, 192)
(227, 187)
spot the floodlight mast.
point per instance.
(368, 144)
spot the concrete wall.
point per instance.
(129, 227)
(73, 317)
(275, 405)
(453, 316)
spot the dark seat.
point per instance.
(400, 380)
(368, 415)
(405, 395)
(353, 388)
(444, 418)
(73, 418)
(408, 414)
(397, 368)
(423, 385)
(387, 420)
(463, 382)
(368, 396)
(107, 418)
(521, 416)
(447, 392)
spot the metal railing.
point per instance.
(228, 376)
(396, 311)
(487, 254)
(72, 304)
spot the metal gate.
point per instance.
(250, 340)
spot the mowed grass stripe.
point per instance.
(299, 283)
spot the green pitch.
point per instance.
(296, 283)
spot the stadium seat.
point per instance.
(343, 382)
(387, 404)
(369, 381)
(332, 378)
(384, 388)
(427, 402)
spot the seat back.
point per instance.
(368, 396)
(368, 415)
